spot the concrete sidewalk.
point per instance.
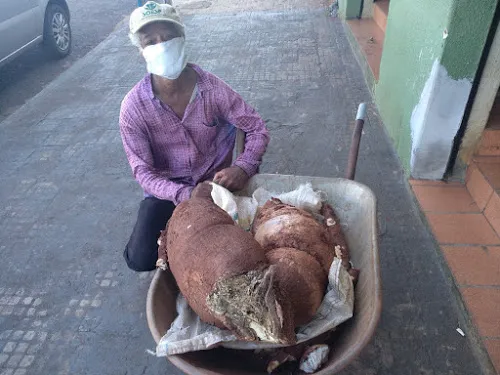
(68, 304)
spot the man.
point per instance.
(178, 128)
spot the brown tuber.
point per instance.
(301, 280)
(224, 273)
(277, 224)
(260, 287)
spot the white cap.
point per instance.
(153, 12)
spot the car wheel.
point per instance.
(57, 31)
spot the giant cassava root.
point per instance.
(278, 225)
(260, 287)
(224, 273)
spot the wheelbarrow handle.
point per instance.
(356, 139)
(239, 145)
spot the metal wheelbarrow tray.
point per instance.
(356, 207)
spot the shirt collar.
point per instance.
(203, 82)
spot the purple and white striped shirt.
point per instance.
(169, 156)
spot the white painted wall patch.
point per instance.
(435, 121)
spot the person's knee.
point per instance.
(136, 262)
(141, 251)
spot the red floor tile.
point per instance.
(371, 40)
(462, 229)
(483, 304)
(491, 172)
(492, 212)
(445, 199)
(479, 187)
(493, 348)
(433, 183)
(474, 265)
(487, 159)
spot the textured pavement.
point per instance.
(187, 7)
(69, 305)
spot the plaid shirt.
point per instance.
(169, 156)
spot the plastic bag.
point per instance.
(243, 209)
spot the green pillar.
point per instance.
(350, 8)
(430, 58)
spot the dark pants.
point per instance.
(141, 251)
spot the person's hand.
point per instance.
(232, 178)
(202, 190)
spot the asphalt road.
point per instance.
(91, 22)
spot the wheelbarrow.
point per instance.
(355, 206)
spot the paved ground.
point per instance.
(68, 305)
(91, 22)
(188, 7)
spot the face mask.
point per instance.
(167, 59)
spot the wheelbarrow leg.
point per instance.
(356, 139)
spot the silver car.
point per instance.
(26, 23)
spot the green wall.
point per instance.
(349, 8)
(469, 27)
(414, 40)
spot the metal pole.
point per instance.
(239, 145)
(356, 139)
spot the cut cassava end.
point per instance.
(251, 307)
(215, 253)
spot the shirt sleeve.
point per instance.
(137, 148)
(236, 111)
